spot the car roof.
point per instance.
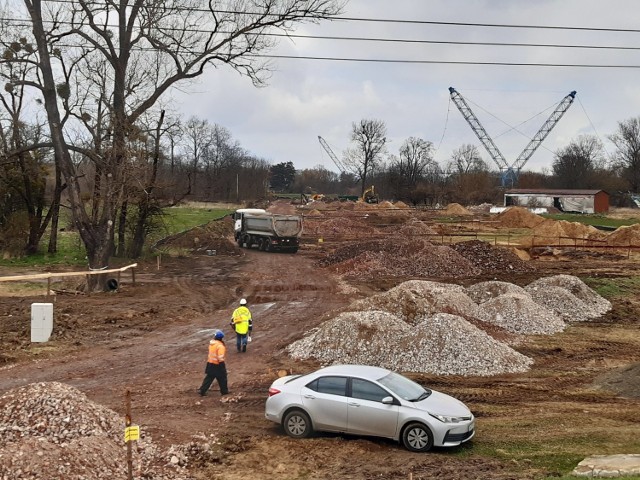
(363, 371)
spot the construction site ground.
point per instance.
(151, 338)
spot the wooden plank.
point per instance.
(48, 275)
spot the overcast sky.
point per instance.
(307, 98)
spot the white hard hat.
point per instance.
(243, 301)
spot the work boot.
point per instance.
(244, 348)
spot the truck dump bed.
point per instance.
(280, 225)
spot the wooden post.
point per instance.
(133, 275)
(48, 287)
(128, 424)
(158, 261)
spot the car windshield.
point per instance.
(404, 388)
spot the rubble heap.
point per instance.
(51, 431)
(489, 259)
(412, 257)
(440, 344)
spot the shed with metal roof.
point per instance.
(565, 200)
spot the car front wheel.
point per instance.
(297, 424)
(417, 437)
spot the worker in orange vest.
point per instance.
(216, 368)
(242, 323)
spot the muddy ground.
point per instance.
(151, 337)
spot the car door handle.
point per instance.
(309, 396)
(354, 404)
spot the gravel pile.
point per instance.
(51, 431)
(578, 288)
(563, 302)
(518, 313)
(489, 259)
(483, 291)
(414, 299)
(441, 344)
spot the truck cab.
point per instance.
(239, 214)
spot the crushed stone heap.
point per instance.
(489, 258)
(518, 313)
(441, 344)
(578, 288)
(51, 431)
(416, 298)
(483, 291)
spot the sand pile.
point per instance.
(518, 313)
(519, 217)
(456, 209)
(483, 291)
(625, 236)
(441, 344)
(401, 204)
(414, 299)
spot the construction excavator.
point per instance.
(370, 196)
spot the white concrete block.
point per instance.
(41, 321)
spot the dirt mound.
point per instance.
(518, 313)
(414, 299)
(386, 204)
(490, 259)
(441, 344)
(415, 227)
(483, 291)
(339, 226)
(401, 204)
(407, 258)
(625, 236)
(519, 217)
(216, 235)
(53, 428)
(314, 213)
(456, 209)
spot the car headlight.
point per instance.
(448, 418)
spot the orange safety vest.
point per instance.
(241, 317)
(217, 351)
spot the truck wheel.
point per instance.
(267, 245)
(262, 244)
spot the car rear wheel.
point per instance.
(417, 437)
(297, 424)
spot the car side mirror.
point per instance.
(388, 400)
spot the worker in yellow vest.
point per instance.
(242, 323)
(216, 368)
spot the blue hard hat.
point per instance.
(219, 335)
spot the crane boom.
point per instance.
(327, 149)
(509, 173)
(546, 128)
(478, 129)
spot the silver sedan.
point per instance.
(372, 401)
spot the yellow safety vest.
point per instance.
(241, 317)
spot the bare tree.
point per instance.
(627, 155)
(416, 157)
(370, 139)
(467, 159)
(575, 165)
(148, 46)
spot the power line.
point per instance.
(446, 62)
(26, 24)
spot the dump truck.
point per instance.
(268, 231)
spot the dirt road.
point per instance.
(152, 338)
